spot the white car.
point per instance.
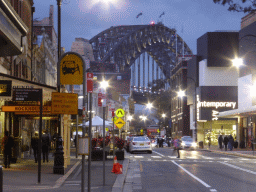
(140, 144)
(187, 142)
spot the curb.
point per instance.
(119, 183)
(61, 180)
(234, 154)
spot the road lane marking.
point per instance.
(196, 178)
(156, 157)
(239, 168)
(159, 154)
(213, 190)
(141, 169)
(205, 157)
(138, 156)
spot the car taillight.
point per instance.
(133, 143)
(148, 143)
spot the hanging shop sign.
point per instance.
(5, 88)
(25, 109)
(71, 69)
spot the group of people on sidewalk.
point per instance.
(8, 143)
(228, 142)
(46, 143)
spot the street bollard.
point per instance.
(1, 178)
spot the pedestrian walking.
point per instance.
(230, 142)
(34, 144)
(220, 141)
(177, 144)
(7, 145)
(45, 145)
(225, 141)
(252, 141)
(209, 141)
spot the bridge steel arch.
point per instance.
(124, 44)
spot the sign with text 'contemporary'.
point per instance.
(64, 103)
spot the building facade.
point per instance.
(217, 85)
(245, 114)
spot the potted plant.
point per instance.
(97, 152)
(119, 142)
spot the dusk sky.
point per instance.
(87, 18)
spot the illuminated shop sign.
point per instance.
(202, 105)
(216, 104)
(5, 88)
(214, 115)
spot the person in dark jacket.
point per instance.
(45, 145)
(34, 145)
(220, 141)
(230, 142)
(7, 144)
(225, 141)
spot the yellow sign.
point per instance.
(119, 123)
(115, 118)
(119, 112)
(106, 129)
(26, 109)
(64, 103)
(71, 69)
(158, 130)
(141, 130)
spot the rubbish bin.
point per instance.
(201, 144)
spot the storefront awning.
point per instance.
(244, 112)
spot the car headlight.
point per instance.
(194, 144)
(183, 144)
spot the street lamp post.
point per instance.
(104, 85)
(58, 167)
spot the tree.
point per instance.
(248, 6)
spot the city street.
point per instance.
(194, 171)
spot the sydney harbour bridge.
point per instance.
(148, 52)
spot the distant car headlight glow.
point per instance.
(183, 144)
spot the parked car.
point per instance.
(188, 143)
(127, 142)
(140, 144)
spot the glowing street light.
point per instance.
(149, 105)
(129, 118)
(104, 84)
(181, 93)
(237, 62)
(163, 115)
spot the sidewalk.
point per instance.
(23, 175)
(246, 152)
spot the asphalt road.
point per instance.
(195, 171)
